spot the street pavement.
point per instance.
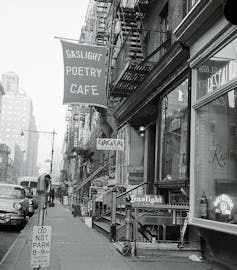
(75, 246)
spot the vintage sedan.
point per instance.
(14, 206)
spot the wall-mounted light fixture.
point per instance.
(142, 131)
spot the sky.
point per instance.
(29, 48)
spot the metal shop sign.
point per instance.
(109, 144)
(40, 252)
(84, 74)
(146, 199)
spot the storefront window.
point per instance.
(216, 159)
(174, 134)
(218, 70)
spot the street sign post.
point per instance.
(41, 241)
(41, 234)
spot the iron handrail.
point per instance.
(140, 185)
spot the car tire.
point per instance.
(21, 226)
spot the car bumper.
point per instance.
(11, 219)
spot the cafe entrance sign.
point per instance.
(146, 200)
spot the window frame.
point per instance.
(195, 105)
(158, 170)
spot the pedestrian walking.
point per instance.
(48, 186)
(51, 195)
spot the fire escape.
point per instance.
(132, 62)
(102, 11)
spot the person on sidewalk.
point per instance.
(48, 187)
(51, 195)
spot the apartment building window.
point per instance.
(215, 170)
(174, 124)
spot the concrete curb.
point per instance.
(20, 241)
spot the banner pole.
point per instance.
(67, 38)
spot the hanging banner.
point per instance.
(84, 74)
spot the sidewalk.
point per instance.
(75, 246)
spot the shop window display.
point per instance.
(173, 164)
(215, 153)
(216, 159)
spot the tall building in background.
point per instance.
(17, 116)
(18, 162)
(4, 162)
(10, 82)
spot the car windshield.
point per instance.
(24, 183)
(15, 192)
(33, 184)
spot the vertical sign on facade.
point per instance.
(84, 74)
(41, 241)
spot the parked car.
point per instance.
(29, 181)
(14, 206)
(31, 199)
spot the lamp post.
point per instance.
(52, 150)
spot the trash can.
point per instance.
(76, 210)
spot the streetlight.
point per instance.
(52, 151)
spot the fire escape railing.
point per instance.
(128, 50)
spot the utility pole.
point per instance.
(52, 153)
(52, 150)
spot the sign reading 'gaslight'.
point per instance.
(84, 74)
(146, 199)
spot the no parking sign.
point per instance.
(41, 241)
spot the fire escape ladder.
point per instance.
(101, 35)
(131, 54)
(141, 7)
(131, 65)
(131, 33)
